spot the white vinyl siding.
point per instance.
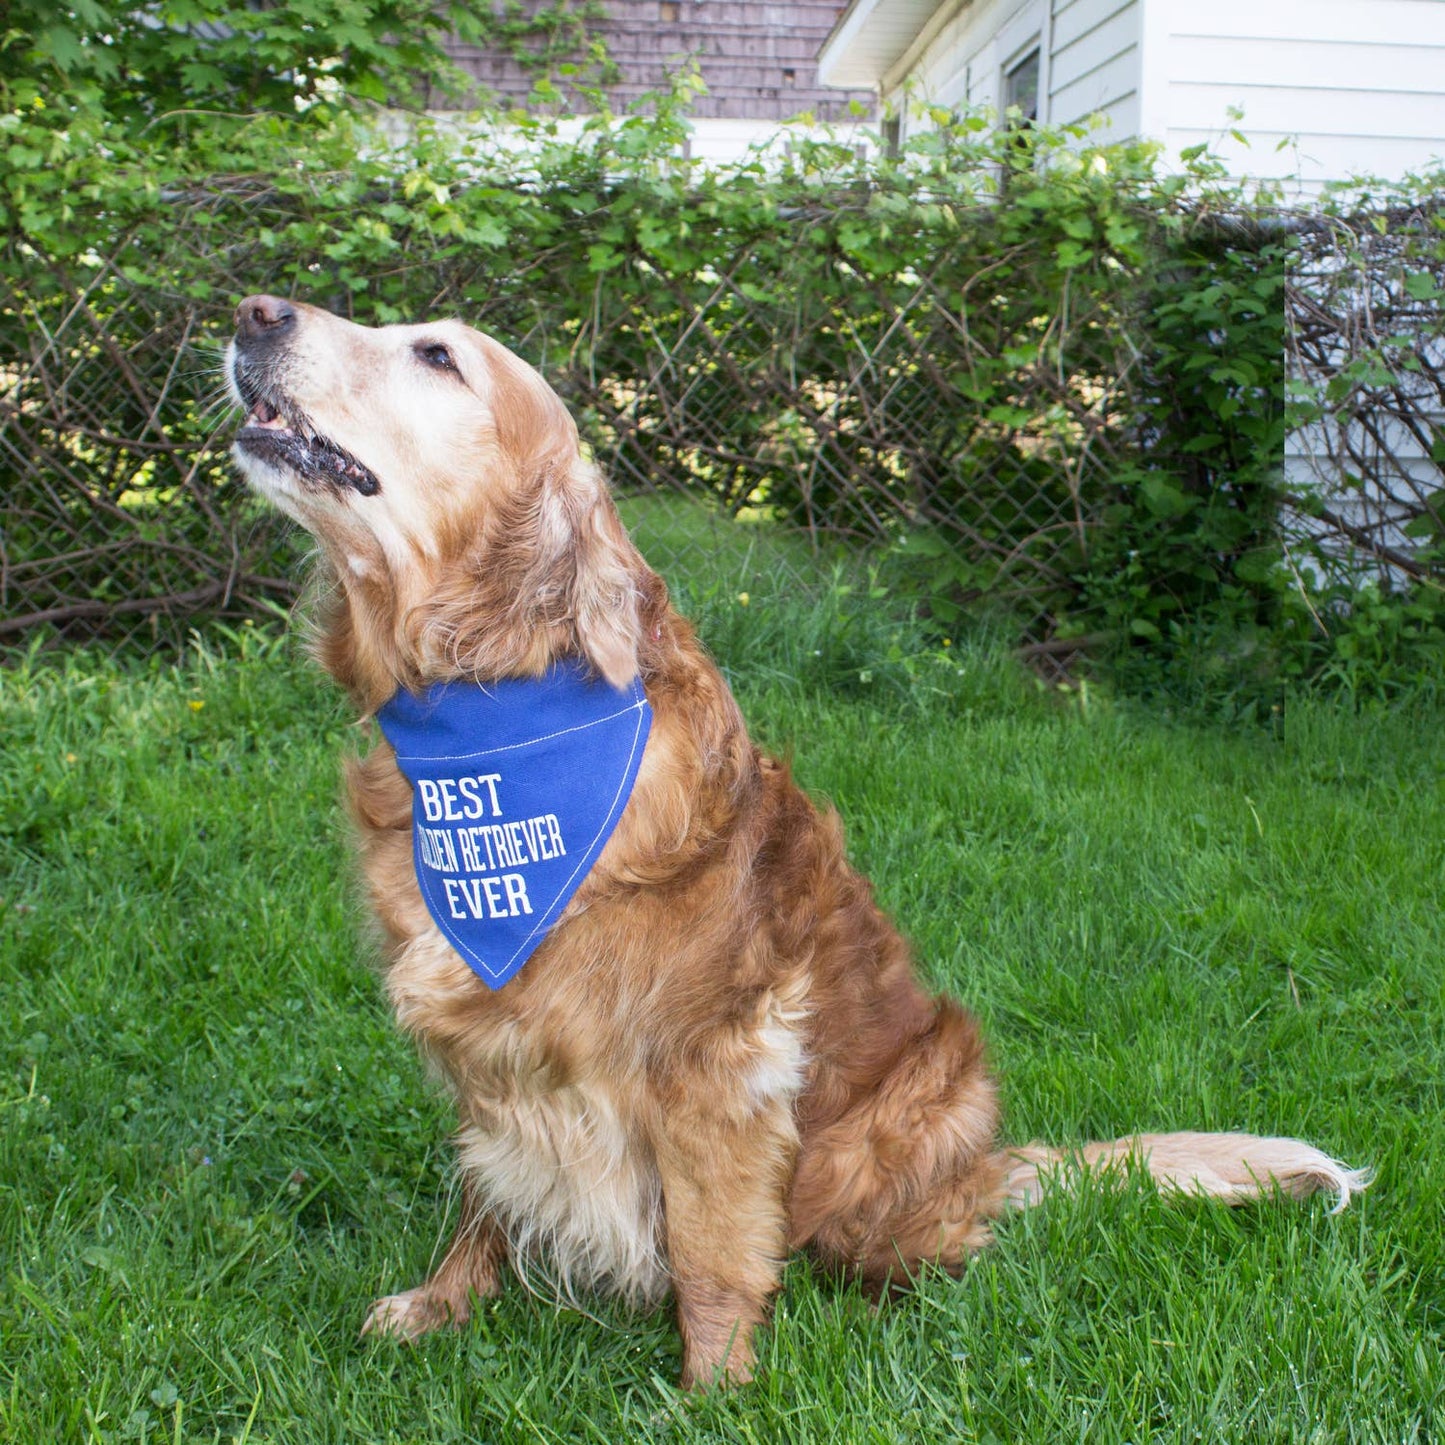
(1329, 89)
(1095, 64)
(1089, 61)
(1325, 89)
(963, 64)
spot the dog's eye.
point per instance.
(436, 356)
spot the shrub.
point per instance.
(1047, 378)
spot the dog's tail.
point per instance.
(1231, 1167)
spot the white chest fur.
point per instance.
(577, 1195)
(569, 1180)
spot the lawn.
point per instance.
(216, 1151)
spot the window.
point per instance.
(1021, 88)
(892, 129)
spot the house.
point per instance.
(758, 61)
(1318, 89)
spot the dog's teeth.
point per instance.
(265, 416)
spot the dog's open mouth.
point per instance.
(269, 434)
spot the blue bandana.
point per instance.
(516, 788)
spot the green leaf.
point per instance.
(1164, 497)
(1424, 526)
(488, 231)
(602, 257)
(1258, 565)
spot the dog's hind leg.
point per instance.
(908, 1174)
(470, 1267)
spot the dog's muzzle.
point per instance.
(276, 430)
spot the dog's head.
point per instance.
(444, 480)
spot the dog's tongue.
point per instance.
(263, 414)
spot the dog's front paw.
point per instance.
(410, 1315)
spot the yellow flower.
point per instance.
(195, 704)
(70, 757)
(743, 599)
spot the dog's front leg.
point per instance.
(471, 1267)
(724, 1186)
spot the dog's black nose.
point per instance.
(259, 316)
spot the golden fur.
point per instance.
(721, 1052)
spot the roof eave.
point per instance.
(871, 36)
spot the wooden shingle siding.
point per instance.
(744, 51)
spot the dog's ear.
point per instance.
(557, 542)
(606, 606)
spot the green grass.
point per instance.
(215, 1151)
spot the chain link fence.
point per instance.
(934, 411)
(1366, 363)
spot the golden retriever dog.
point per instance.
(719, 1051)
